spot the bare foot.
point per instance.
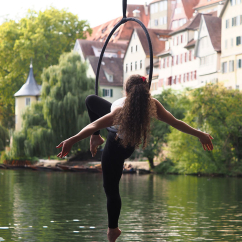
(113, 234)
(95, 141)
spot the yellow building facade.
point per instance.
(231, 45)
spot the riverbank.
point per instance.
(53, 163)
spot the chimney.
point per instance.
(136, 13)
(146, 7)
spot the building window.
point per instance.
(195, 75)
(140, 64)
(131, 67)
(237, 87)
(172, 60)
(168, 60)
(188, 76)
(238, 20)
(238, 40)
(27, 101)
(227, 23)
(185, 57)
(175, 24)
(177, 10)
(135, 65)
(107, 92)
(127, 68)
(191, 76)
(177, 59)
(232, 42)
(104, 29)
(108, 76)
(190, 55)
(136, 48)
(224, 67)
(231, 66)
(232, 2)
(184, 77)
(163, 20)
(156, 7)
(156, 22)
(131, 49)
(226, 44)
(181, 58)
(239, 63)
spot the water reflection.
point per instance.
(39, 206)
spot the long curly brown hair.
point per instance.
(135, 116)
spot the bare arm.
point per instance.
(101, 123)
(167, 117)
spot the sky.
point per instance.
(95, 11)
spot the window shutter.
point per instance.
(172, 60)
(190, 55)
(164, 62)
(181, 58)
(111, 92)
(167, 61)
(103, 92)
(195, 75)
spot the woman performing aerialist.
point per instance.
(131, 116)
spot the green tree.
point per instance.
(173, 102)
(214, 110)
(60, 114)
(42, 36)
(4, 138)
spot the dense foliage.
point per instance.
(42, 36)
(217, 111)
(4, 138)
(61, 113)
(175, 103)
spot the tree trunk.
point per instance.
(151, 163)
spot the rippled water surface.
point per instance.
(45, 206)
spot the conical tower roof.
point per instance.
(30, 88)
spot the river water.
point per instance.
(59, 206)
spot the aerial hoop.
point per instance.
(123, 21)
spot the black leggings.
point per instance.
(113, 157)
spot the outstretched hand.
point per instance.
(66, 147)
(206, 140)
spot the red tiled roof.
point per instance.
(157, 44)
(191, 43)
(87, 47)
(113, 66)
(124, 32)
(188, 7)
(164, 52)
(203, 3)
(193, 23)
(214, 30)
